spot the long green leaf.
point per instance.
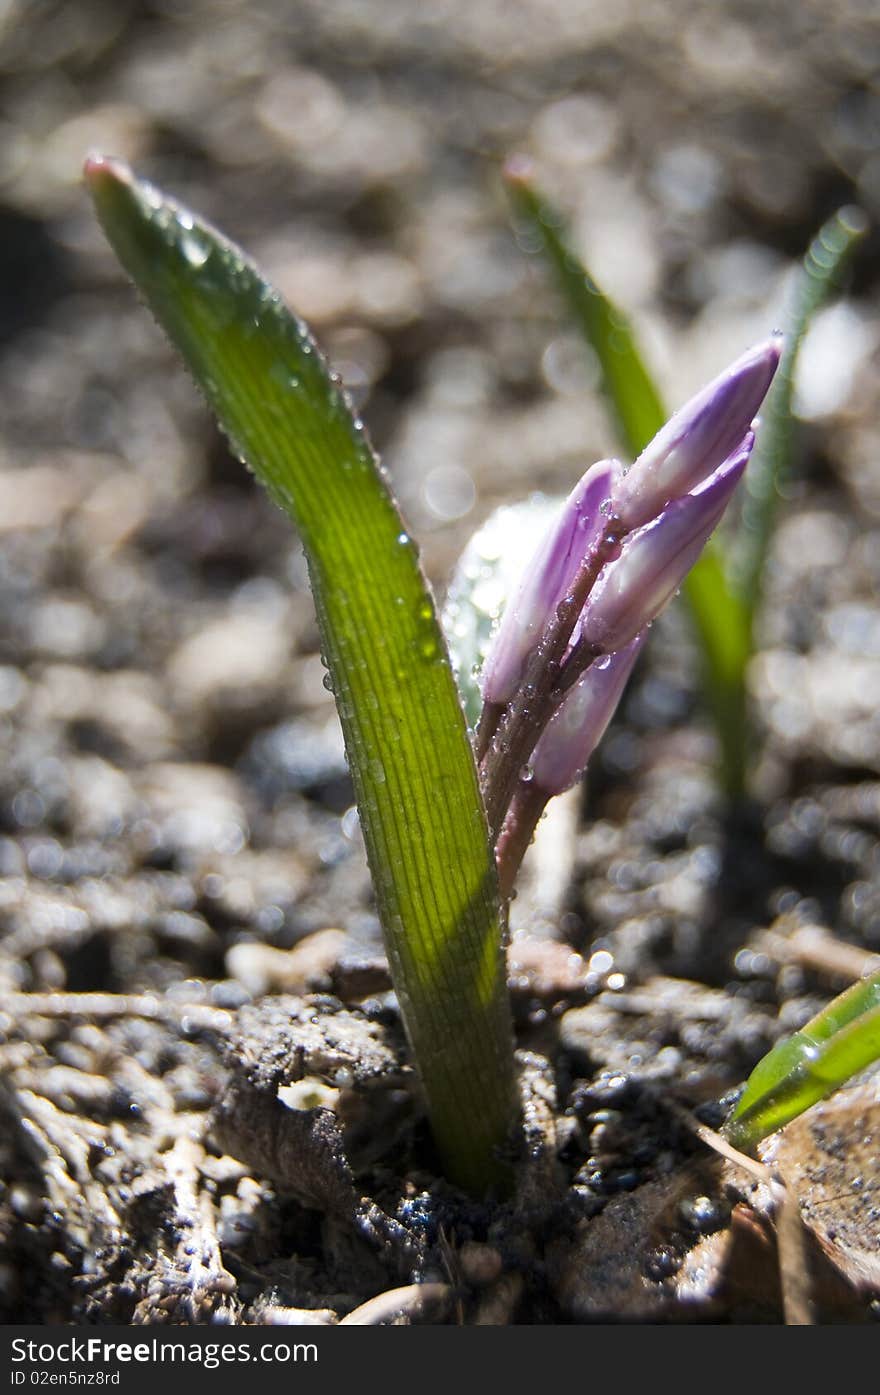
(628, 386)
(411, 761)
(770, 464)
(837, 1043)
(721, 622)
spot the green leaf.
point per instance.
(411, 761)
(722, 625)
(836, 1044)
(770, 465)
(482, 584)
(626, 382)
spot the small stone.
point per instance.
(309, 1093)
(274, 1316)
(245, 652)
(480, 1264)
(263, 969)
(545, 969)
(196, 808)
(703, 1214)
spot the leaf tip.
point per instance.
(101, 169)
(518, 172)
(854, 220)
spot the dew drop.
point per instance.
(280, 373)
(351, 823)
(195, 249)
(527, 774)
(403, 539)
(809, 1051)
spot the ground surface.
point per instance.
(184, 908)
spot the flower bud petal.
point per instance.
(576, 728)
(632, 590)
(696, 441)
(546, 580)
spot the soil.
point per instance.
(208, 1109)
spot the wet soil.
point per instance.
(208, 1109)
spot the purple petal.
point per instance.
(654, 560)
(578, 725)
(697, 440)
(547, 579)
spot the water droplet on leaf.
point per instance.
(195, 249)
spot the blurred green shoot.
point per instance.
(411, 761)
(840, 1041)
(723, 589)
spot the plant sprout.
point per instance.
(445, 819)
(724, 588)
(723, 591)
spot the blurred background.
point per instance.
(354, 149)
(173, 763)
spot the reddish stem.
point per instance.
(526, 807)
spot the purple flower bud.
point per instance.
(578, 725)
(547, 579)
(632, 590)
(697, 440)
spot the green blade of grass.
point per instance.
(836, 1044)
(628, 386)
(721, 622)
(410, 758)
(770, 464)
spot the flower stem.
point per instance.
(526, 807)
